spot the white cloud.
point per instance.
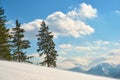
(117, 11)
(62, 24)
(66, 64)
(115, 52)
(100, 42)
(83, 60)
(117, 44)
(32, 25)
(113, 56)
(85, 48)
(86, 62)
(65, 46)
(68, 24)
(91, 49)
(63, 52)
(31, 28)
(83, 11)
(108, 52)
(61, 58)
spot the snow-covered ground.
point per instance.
(22, 71)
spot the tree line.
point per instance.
(13, 43)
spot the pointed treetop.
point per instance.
(17, 23)
(43, 23)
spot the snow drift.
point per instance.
(22, 71)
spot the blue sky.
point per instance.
(82, 28)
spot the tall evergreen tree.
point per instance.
(19, 43)
(4, 38)
(46, 46)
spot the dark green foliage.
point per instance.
(4, 38)
(46, 46)
(19, 43)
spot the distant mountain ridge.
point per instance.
(101, 69)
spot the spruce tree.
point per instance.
(19, 43)
(46, 46)
(4, 38)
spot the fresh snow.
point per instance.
(22, 71)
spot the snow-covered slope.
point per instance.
(21, 71)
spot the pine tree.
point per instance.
(4, 38)
(46, 46)
(19, 43)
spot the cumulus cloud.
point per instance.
(32, 25)
(32, 28)
(82, 12)
(62, 24)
